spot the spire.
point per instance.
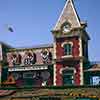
(68, 14)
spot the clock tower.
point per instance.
(70, 47)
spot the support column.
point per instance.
(81, 73)
(0, 73)
(54, 45)
(77, 75)
(79, 80)
(59, 80)
(54, 80)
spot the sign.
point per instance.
(96, 80)
(28, 68)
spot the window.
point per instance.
(67, 49)
(28, 75)
(68, 77)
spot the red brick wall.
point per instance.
(60, 53)
(60, 50)
(77, 75)
(58, 74)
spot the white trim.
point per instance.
(67, 56)
(81, 73)
(1, 56)
(62, 45)
(75, 13)
(28, 68)
(54, 80)
(54, 45)
(67, 68)
(80, 48)
(61, 14)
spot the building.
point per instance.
(63, 63)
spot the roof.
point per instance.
(5, 44)
(33, 47)
(95, 67)
(39, 46)
(69, 14)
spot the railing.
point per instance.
(63, 91)
(46, 87)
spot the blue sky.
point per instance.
(32, 21)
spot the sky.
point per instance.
(33, 20)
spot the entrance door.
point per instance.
(68, 77)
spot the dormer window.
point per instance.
(67, 46)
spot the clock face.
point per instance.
(66, 27)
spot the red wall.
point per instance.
(77, 75)
(60, 53)
(58, 74)
(60, 50)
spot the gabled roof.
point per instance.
(68, 14)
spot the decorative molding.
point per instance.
(28, 68)
(54, 54)
(66, 56)
(80, 48)
(62, 45)
(81, 73)
(54, 75)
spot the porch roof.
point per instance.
(94, 68)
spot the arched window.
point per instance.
(67, 48)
